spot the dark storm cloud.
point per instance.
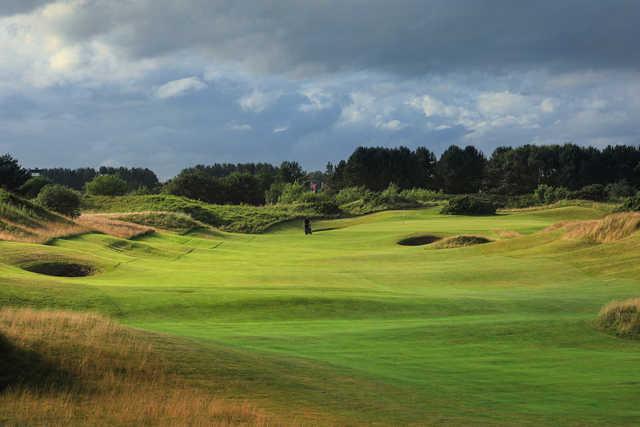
(409, 36)
(11, 7)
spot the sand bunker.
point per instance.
(419, 240)
(61, 269)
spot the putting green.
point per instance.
(347, 323)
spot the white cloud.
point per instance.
(317, 99)
(257, 101)
(179, 87)
(502, 103)
(391, 125)
(280, 129)
(240, 127)
(547, 106)
(361, 107)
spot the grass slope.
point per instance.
(347, 326)
(233, 218)
(63, 368)
(21, 220)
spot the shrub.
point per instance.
(107, 185)
(60, 199)
(631, 204)
(422, 195)
(32, 187)
(621, 318)
(548, 194)
(619, 190)
(595, 192)
(12, 175)
(391, 196)
(292, 193)
(469, 205)
(351, 194)
(320, 202)
(274, 192)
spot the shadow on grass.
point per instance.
(25, 368)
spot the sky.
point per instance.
(170, 84)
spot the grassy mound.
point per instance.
(113, 227)
(461, 241)
(418, 240)
(21, 220)
(621, 318)
(234, 218)
(64, 368)
(171, 221)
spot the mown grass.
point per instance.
(348, 327)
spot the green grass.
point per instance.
(346, 323)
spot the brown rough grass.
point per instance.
(608, 229)
(621, 318)
(115, 378)
(508, 234)
(45, 233)
(108, 225)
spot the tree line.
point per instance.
(551, 171)
(508, 171)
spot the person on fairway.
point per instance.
(307, 226)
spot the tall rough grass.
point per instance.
(611, 228)
(108, 225)
(99, 373)
(621, 318)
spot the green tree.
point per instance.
(60, 199)
(107, 185)
(32, 187)
(461, 170)
(12, 174)
(196, 184)
(290, 172)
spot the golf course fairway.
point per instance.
(346, 326)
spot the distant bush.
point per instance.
(60, 199)
(321, 203)
(293, 193)
(32, 187)
(621, 318)
(595, 192)
(469, 205)
(352, 194)
(631, 204)
(619, 190)
(143, 191)
(107, 185)
(274, 192)
(391, 196)
(422, 195)
(547, 194)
